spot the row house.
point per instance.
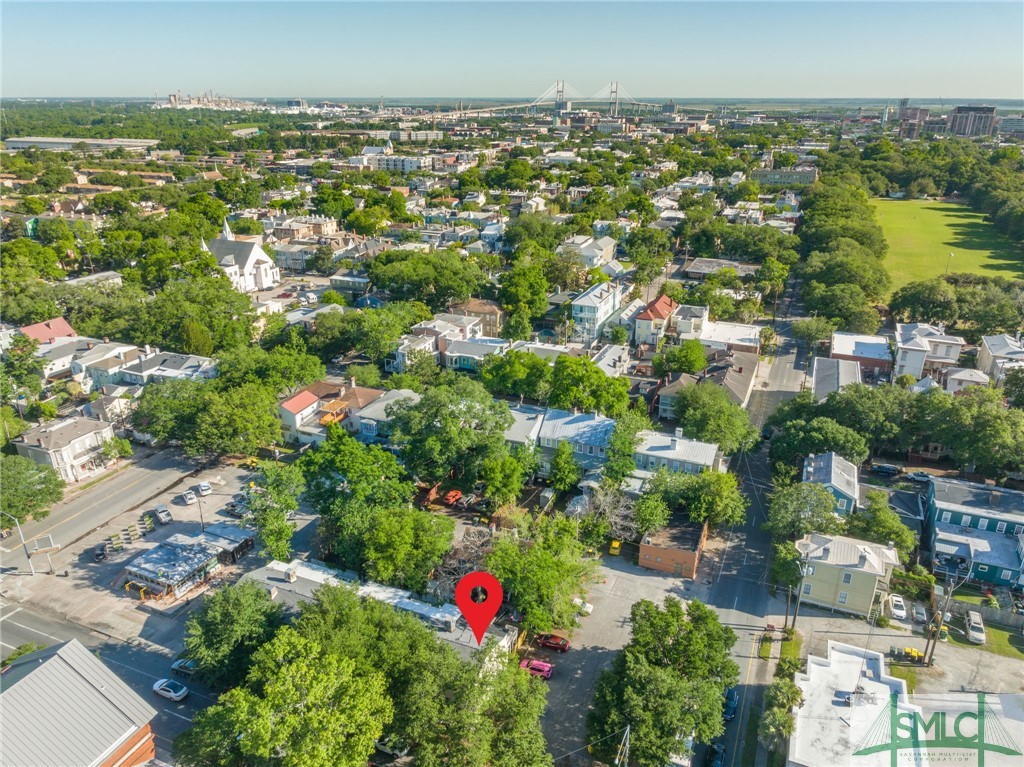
(975, 531)
(838, 476)
(845, 574)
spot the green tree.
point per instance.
(688, 357)
(707, 414)
(516, 373)
(775, 727)
(524, 289)
(10, 425)
(668, 682)
(20, 650)
(235, 422)
(230, 625)
(932, 301)
(566, 471)
(578, 382)
(622, 445)
(714, 497)
(505, 473)
(332, 297)
(797, 510)
(800, 439)
(651, 513)
(322, 261)
(542, 571)
(365, 375)
(879, 523)
(1013, 387)
(812, 331)
(116, 448)
(29, 489)
(404, 545)
(455, 426)
(619, 335)
(301, 707)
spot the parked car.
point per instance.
(716, 755)
(483, 505)
(553, 642)
(99, 552)
(547, 495)
(537, 668)
(189, 497)
(452, 497)
(465, 502)
(615, 548)
(918, 613)
(975, 628)
(185, 667)
(886, 469)
(163, 514)
(170, 689)
(585, 608)
(236, 510)
(732, 702)
(508, 614)
(897, 607)
(919, 476)
(205, 489)
(392, 745)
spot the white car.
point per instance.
(170, 689)
(163, 514)
(205, 489)
(189, 497)
(585, 608)
(898, 607)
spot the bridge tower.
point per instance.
(613, 99)
(559, 97)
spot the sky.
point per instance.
(502, 48)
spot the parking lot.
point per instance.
(594, 644)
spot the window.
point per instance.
(1018, 529)
(1000, 527)
(579, 447)
(590, 449)
(946, 516)
(847, 577)
(983, 523)
(965, 520)
(982, 568)
(842, 504)
(1006, 575)
(807, 589)
(842, 597)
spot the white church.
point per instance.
(244, 262)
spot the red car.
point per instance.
(285, 294)
(452, 497)
(553, 642)
(537, 668)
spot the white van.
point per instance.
(312, 298)
(975, 628)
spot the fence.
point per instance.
(990, 615)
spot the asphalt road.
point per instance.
(84, 512)
(139, 665)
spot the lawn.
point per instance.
(907, 674)
(922, 234)
(1009, 644)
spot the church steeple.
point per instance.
(225, 232)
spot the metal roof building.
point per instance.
(62, 706)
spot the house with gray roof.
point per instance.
(244, 262)
(167, 366)
(674, 452)
(73, 447)
(998, 354)
(838, 476)
(587, 433)
(845, 574)
(829, 375)
(63, 706)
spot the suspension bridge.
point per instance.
(560, 97)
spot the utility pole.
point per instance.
(800, 593)
(933, 638)
(24, 545)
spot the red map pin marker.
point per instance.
(478, 597)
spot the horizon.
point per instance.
(437, 50)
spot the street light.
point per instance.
(947, 262)
(202, 523)
(24, 545)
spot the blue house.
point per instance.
(975, 530)
(837, 475)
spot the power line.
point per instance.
(592, 743)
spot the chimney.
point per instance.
(679, 433)
(89, 344)
(352, 381)
(675, 443)
(891, 544)
(740, 370)
(291, 575)
(147, 349)
(106, 340)
(273, 593)
(994, 498)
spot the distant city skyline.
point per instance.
(759, 50)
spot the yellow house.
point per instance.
(845, 574)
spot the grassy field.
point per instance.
(922, 234)
(1009, 644)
